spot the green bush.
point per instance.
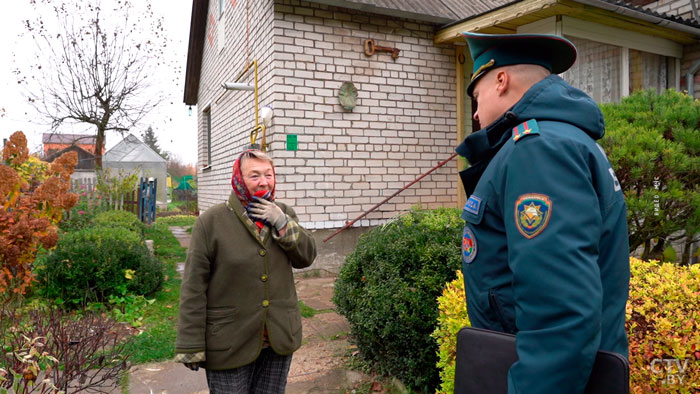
(123, 219)
(388, 289)
(663, 323)
(92, 264)
(653, 144)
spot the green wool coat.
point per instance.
(236, 284)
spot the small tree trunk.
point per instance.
(647, 247)
(657, 253)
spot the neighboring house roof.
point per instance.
(86, 160)
(133, 150)
(56, 138)
(444, 12)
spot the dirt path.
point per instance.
(317, 367)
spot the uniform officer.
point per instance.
(545, 247)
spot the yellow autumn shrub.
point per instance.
(663, 328)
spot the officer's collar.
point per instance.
(481, 144)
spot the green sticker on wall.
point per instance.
(291, 142)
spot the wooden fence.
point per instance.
(87, 189)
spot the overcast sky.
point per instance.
(175, 129)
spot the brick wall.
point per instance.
(404, 122)
(347, 161)
(232, 112)
(680, 8)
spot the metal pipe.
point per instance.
(690, 78)
(348, 224)
(237, 86)
(256, 93)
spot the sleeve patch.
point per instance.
(524, 129)
(532, 214)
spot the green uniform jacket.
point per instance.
(545, 248)
(235, 284)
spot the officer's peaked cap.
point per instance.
(490, 51)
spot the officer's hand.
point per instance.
(269, 212)
(192, 366)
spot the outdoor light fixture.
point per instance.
(189, 111)
(266, 114)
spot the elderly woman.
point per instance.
(239, 315)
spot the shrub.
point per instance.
(123, 219)
(653, 144)
(81, 214)
(663, 323)
(452, 317)
(388, 288)
(47, 350)
(33, 196)
(91, 264)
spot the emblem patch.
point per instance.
(473, 205)
(468, 245)
(532, 213)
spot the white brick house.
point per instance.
(411, 111)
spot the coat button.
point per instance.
(263, 278)
(262, 252)
(265, 303)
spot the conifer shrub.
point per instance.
(653, 143)
(663, 325)
(92, 264)
(388, 289)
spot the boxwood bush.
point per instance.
(388, 291)
(90, 265)
(663, 322)
(123, 219)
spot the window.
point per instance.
(222, 6)
(614, 62)
(207, 138)
(650, 71)
(596, 71)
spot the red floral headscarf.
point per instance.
(239, 187)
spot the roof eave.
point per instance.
(198, 24)
(373, 9)
(489, 20)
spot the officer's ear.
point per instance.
(502, 81)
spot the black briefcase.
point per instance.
(484, 358)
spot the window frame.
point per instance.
(206, 113)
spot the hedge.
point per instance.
(91, 264)
(663, 325)
(388, 289)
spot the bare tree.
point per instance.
(95, 64)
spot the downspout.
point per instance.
(690, 78)
(694, 7)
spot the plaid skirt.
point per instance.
(266, 375)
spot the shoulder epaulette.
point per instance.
(524, 129)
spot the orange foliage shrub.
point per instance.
(32, 200)
(663, 328)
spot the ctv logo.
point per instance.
(672, 370)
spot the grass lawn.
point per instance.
(157, 341)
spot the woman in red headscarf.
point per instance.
(239, 315)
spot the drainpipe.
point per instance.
(690, 77)
(695, 10)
